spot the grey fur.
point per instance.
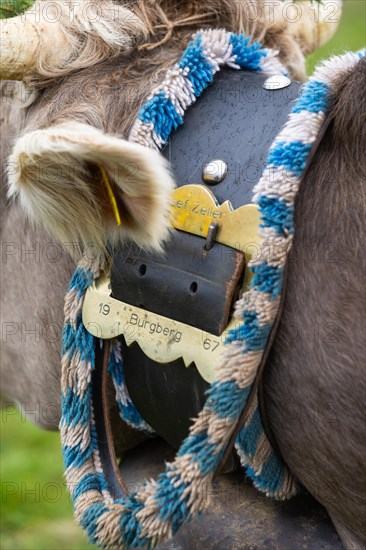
(315, 378)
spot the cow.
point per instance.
(75, 76)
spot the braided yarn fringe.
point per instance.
(127, 409)
(161, 506)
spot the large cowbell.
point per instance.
(172, 311)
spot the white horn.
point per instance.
(55, 37)
(313, 23)
(29, 40)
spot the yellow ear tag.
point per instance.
(111, 196)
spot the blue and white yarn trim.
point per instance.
(127, 409)
(157, 511)
(209, 50)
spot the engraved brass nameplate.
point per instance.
(163, 340)
(160, 338)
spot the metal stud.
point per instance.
(276, 82)
(214, 172)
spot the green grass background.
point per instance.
(36, 512)
(350, 35)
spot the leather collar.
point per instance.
(236, 121)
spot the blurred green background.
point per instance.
(36, 512)
(351, 33)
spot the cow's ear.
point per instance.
(68, 177)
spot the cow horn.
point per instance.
(27, 40)
(314, 23)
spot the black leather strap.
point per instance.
(235, 120)
(169, 399)
(187, 283)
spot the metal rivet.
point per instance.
(276, 82)
(214, 172)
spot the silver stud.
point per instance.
(214, 172)
(276, 82)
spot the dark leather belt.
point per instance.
(188, 284)
(236, 121)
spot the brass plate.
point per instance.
(194, 208)
(160, 338)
